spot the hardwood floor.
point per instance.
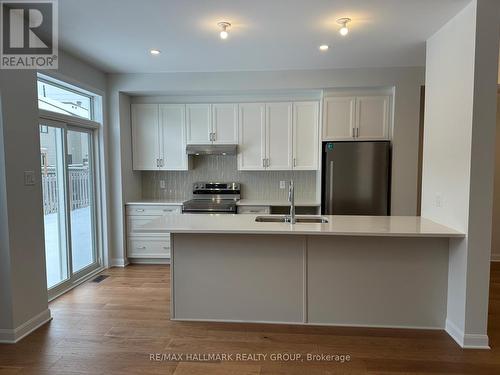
(114, 326)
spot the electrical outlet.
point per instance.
(162, 184)
(29, 178)
(282, 184)
(439, 200)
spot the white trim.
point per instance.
(119, 262)
(11, 336)
(495, 257)
(466, 340)
(354, 325)
(61, 117)
(149, 261)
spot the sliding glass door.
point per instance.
(68, 184)
(54, 204)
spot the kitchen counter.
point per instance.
(257, 202)
(380, 226)
(169, 202)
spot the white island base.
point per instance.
(327, 280)
(354, 270)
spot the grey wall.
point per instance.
(255, 185)
(495, 236)
(23, 292)
(458, 163)
(406, 81)
(25, 257)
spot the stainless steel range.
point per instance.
(213, 197)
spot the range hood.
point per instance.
(211, 149)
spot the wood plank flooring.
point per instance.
(114, 326)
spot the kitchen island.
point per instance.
(354, 270)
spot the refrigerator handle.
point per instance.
(330, 189)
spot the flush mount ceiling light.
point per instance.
(154, 52)
(224, 26)
(343, 21)
(323, 47)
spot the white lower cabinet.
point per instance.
(151, 245)
(138, 247)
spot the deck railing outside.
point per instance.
(79, 189)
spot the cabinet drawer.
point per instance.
(149, 210)
(136, 222)
(254, 209)
(148, 247)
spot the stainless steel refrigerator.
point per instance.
(356, 178)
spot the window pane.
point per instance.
(54, 207)
(81, 198)
(58, 99)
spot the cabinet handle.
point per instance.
(139, 210)
(353, 132)
(357, 132)
(166, 210)
(141, 248)
(162, 162)
(264, 163)
(294, 162)
(165, 248)
(268, 162)
(214, 136)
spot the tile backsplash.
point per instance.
(261, 185)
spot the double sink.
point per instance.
(286, 219)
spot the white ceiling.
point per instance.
(116, 35)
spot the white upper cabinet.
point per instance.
(225, 123)
(279, 136)
(339, 118)
(159, 137)
(252, 140)
(356, 118)
(198, 123)
(145, 139)
(372, 117)
(173, 137)
(305, 135)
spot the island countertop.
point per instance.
(338, 225)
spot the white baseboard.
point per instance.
(149, 260)
(11, 336)
(495, 257)
(466, 340)
(119, 262)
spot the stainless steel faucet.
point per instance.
(291, 199)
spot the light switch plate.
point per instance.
(282, 184)
(29, 178)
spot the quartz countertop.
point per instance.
(171, 202)
(262, 202)
(338, 225)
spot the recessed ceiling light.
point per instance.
(155, 52)
(344, 21)
(323, 47)
(224, 26)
